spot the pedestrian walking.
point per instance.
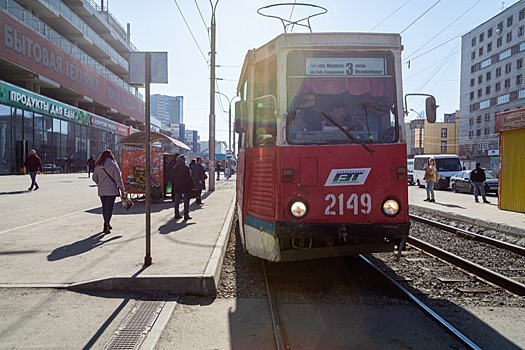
(33, 165)
(108, 177)
(478, 178)
(182, 185)
(218, 170)
(91, 165)
(431, 177)
(199, 178)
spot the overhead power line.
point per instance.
(417, 19)
(390, 15)
(191, 32)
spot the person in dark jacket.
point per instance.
(91, 165)
(33, 165)
(218, 170)
(478, 178)
(199, 176)
(182, 184)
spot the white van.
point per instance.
(410, 171)
(447, 165)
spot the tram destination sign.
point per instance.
(344, 67)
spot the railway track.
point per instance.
(482, 269)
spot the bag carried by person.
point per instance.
(194, 193)
(127, 203)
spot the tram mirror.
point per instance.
(304, 101)
(238, 116)
(430, 109)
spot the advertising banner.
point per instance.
(133, 169)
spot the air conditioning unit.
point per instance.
(498, 31)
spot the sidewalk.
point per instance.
(52, 238)
(462, 206)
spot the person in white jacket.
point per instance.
(108, 177)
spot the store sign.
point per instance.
(344, 67)
(510, 120)
(109, 125)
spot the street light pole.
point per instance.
(211, 147)
(230, 100)
(421, 121)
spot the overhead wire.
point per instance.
(191, 33)
(390, 15)
(417, 19)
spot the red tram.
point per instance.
(321, 146)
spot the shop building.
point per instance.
(63, 90)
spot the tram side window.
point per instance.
(264, 122)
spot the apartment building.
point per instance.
(492, 59)
(168, 109)
(63, 90)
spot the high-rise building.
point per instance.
(492, 59)
(168, 109)
(63, 90)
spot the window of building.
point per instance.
(521, 47)
(480, 92)
(472, 95)
(485, 63)
(489, 47)
(478, 119)
(508, 68)
(443, 146)
(472, 68)
(471, 134)
(522, 14)
(473, 42)
(481, 37)
(507, 83)
(520, 30)
(519, 63)
(480, 79)
(473, 55)
(499, 42)
(478, 132)
(509, 37)
(500, 27)
(487, 131)
(497, 86)
(480, 51)
(521, 93)
(503, 99)
(471, 121)
(489, 33)
(444, 133)
(518, 79)
(484, 104)
(498, 72)
(482, 146)
(487, 90)
(488, 76)
(472, 81)
(487, 117)
(505, 54)
(509, 21)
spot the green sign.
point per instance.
(24, 99)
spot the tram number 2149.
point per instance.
(355, 204)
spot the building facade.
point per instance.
(492, 59)
(63, 90)
(441, 137)
(168, 109)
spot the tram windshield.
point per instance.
(341, 98)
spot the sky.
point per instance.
(430, 30)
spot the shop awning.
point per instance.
(138, 139)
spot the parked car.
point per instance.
(51, 168)
(460, 182)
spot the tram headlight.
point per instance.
(390, 207)
(298, 209)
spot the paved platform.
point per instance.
(53, 238)
(463, 206)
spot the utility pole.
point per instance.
(211, 185)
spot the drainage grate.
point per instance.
(134, 329)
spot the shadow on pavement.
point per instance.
(79, 247)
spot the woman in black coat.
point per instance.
(199, 177)
(182, 184)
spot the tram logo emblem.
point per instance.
(347, 177)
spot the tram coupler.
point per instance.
(301, 243)
(401, 247)
(342, 233)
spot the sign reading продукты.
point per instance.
(337, 66)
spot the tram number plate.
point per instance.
(354, 204)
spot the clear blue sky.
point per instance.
(159, 25)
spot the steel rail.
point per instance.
(471, 235)
(279, 342)
(436, 317)
(487, 274)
